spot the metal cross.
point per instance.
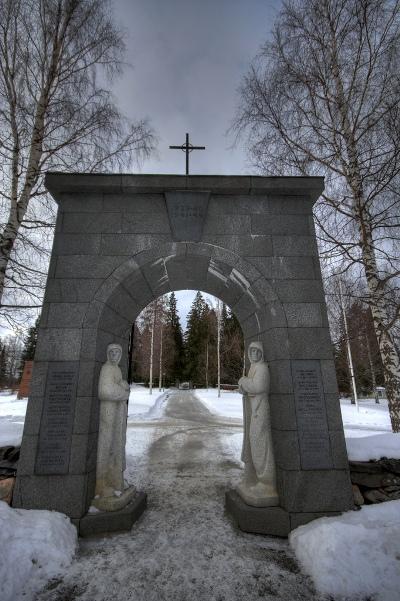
(187, 147)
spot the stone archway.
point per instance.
(122, 241)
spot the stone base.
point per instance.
(112, 521)
(115, 503)
(258, 520)
(258, 496)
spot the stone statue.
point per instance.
(258, 487)
(113, 395)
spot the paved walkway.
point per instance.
(184, 547)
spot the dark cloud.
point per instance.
(188, 58)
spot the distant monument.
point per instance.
(111, 494)
(258, 487)
(25, 384)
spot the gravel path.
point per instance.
(184, 547)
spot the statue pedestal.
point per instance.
(115, 503)
(112, 521)
(259, 495)
(258, 520)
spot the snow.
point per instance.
(185, 457)
(374, 447)
(12, 417)
(35, 547)
(229, 403)
(354, 555)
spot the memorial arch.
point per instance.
(123, 240)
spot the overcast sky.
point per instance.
(188, 59)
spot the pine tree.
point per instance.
(173, 343)
(195, 340)
(30, 341)
(3, 366)
(232, 347)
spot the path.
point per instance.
(184, 547)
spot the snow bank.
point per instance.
(35, 546)
(229, 404)
(353, 555)
(374, 447)
(144, 406)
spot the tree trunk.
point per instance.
(152, 351)
(389, 355)
(371, 367)
(219, 348)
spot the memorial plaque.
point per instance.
(187, 212)
(57, 419)
(312, 423)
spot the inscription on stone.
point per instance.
(315, 451)
(57, 419)
(187, 211)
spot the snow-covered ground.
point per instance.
(185, 453)
(35, 547)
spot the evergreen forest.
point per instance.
(211, 343)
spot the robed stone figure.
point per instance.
(113, 395)
(258, 487)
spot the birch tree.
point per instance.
(322, 98)
(56, 59)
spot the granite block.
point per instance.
(285, 268)
(135, 203)
(77, 244)
(250, 326)
(237, 204)
(38, 381)
(146, 223)
(298, 246)
(286, 225)
(273, 521)
(82, 203)
(277, 345)
(71, 290)
(283, 413)
(122, 303)
(289, 205)
(271, 315)
(113, 521)
(286, 448)
(338, 449)
(299, 291)
(329, 380)
(304, 315)
(333, 411)
(83, 453)
(26, 463)
(93, 314)
(88, 378)
(83, 414)
(88, 346)
(280, 377)
(244, 246)
(299, 519)
(318, 490)
(80, 266)
(33, 415)
(229, 224)
(66, 494)
(265, 291)
(66, 315)
(93, 223)
(310, 343)
(245, 307)
(57, 344)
